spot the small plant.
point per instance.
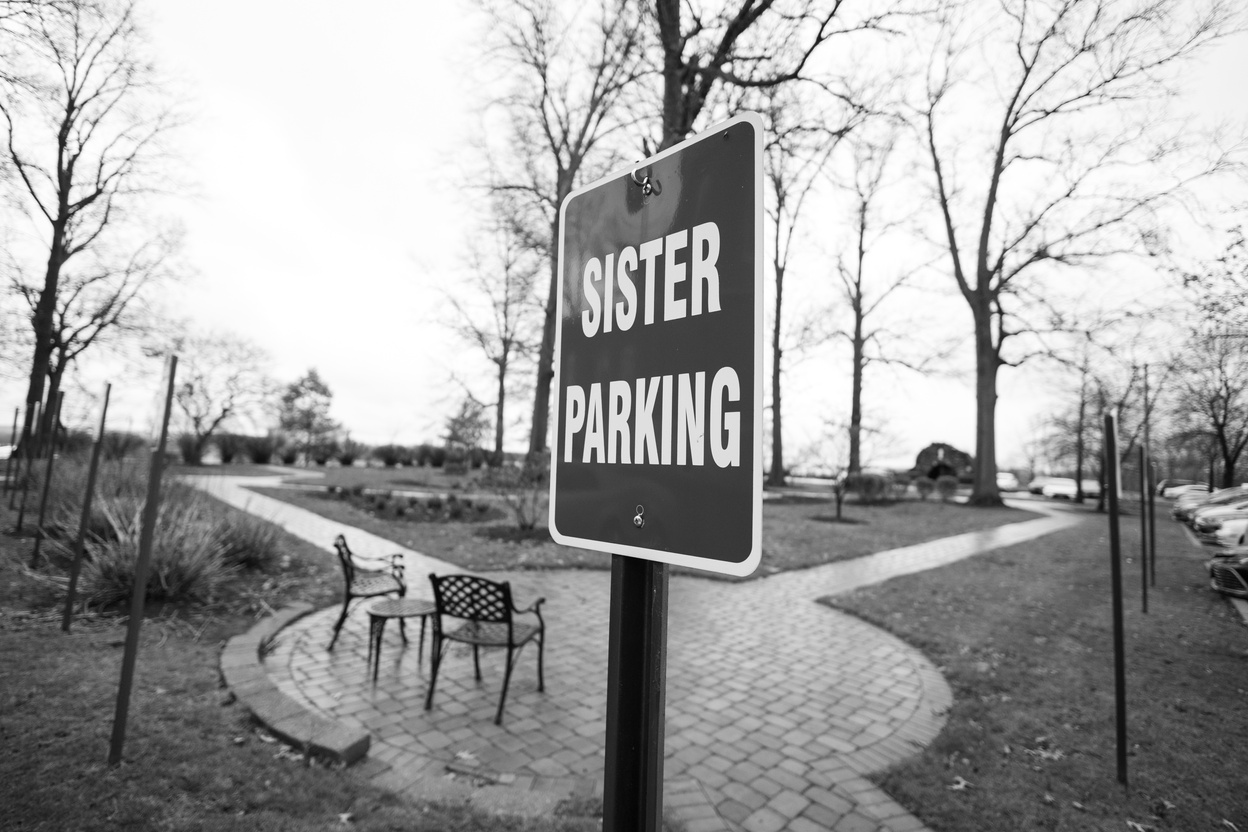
(946, 487)
(350, 452)
(925, 486)
(248, 542)
(389, 455)
(523, 488)
(189, 449)
(870, 487)
(261, 449)
(434, 503)
(230, 446)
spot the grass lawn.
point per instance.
(1024, 636)
(193, 760)
(798, 532)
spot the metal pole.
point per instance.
(8, 463)
(636, 696)
(47, 480)
(139, 592)
(1143, 533)
(80, 542)
(1114, 478)
(1150, 481)
(28, 445)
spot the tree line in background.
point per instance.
(987, 149)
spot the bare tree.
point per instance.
(1067, 164)
(864, 289)
(82, 120)
(499, 315)
(570, 76)
(797, 149)
(98, 300)
(221, 378)
(1212, 382)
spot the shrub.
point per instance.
(189, 450)
(925, 486)
(121, 444)
(422, 454)
(323, 452)
(477, 457)
(351, 451)
(230, 446)
(248, 542)
(523, 488)
(390, 455)
(437, 457)
(946, 486)
(289, 455)
(187, 562)
(870, 488)
(260, 449)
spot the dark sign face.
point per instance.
(657, 444)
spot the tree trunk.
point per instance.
(776, 475)
(1083, 407)
(498, 424)
(984, 489)
(855, 406)
(546, 353)
(42, 323)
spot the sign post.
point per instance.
(657, 450)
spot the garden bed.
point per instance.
(796, 532)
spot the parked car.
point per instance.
(1175, 491)
(1187, 505)
(1221, 525)
(1230, 575)
(1006, 481)
(1171, 487)
(1036, 485)
(1064, 488)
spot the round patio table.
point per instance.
(402, 609)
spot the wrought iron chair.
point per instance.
(487, 611)
(366, 577)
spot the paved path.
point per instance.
(776, 706)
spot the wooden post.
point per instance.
(139, 592)
(85, 521)
(1143, 532)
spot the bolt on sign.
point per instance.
(657, 452)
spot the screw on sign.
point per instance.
(657, 443)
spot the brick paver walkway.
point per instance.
(777, 706)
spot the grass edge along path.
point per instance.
(799, 532)
(1023, 635)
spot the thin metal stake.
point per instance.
(47, 480)
(8, 463)
(1143, 532)
(636, 696)
(1114, 476)
(80, 542)
(28, 446)
(138, 593)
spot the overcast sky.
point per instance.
(329, 216)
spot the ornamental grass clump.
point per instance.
(248, 542)
(188, 561)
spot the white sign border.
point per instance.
(751, 562)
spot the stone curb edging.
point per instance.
(242, 670)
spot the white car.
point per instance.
(1064, 488)
(1221, 525)
(1006, 481)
